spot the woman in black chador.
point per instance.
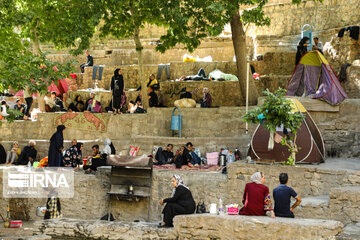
(55, 157)
(117, 88)
(180, 202)
(301, 49)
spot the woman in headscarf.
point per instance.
(108, 147)
(93, 105)
(13, 154)
(72, 156)
(301, 49)
(180, 202)
(182, 157)
(117, 88)
(79, 104)
(207, 99)
(256, 197)
(55, 157)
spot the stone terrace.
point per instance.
(341, 183)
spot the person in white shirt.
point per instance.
(317, 45)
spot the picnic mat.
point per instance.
(116, 160)
(202, 168)
(84, 121)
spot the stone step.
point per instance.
(351, 232)
(207, 226)
(313, 207)
(89, 229)
(146, 144)
(345, 203)
(342, 204)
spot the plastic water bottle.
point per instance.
(221, 207)
(29, 165)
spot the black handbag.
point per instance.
(47, 215)
(200, 208)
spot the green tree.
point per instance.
(24, 24)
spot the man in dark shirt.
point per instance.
(21, 108)
(89, 61)
(29, 153)
(282, 195)
(164, 155)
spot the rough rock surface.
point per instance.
(207, 226)
(87, 229)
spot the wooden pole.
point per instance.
(247, 95)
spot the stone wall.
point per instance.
(131, 72)
(122, 52)
(340, 51)
(344, 203)
(81, 229)
(352, 84)
(340, 130)
(321, 16)
(92, 202)
(206, 226)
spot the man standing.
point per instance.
(89, 61)
(282, 195)
(317, 45)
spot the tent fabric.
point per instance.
(309, 140)
(314, 77)
(61, 88)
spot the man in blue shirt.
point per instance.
(282, 195)
(194, 153)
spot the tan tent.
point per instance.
(309, 140)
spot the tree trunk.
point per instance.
(36, 51)
(239, 42)
(144, 97)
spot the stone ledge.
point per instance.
(87, 229)
(207, 226)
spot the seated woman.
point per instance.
(79, 104)
(4, 108)
(151, 82)
(182, 157)
(13, 154)
(256, 197)
(108, 148)
(153, 98)
(207, 99)
(93, 105)
(73, 155)
(180, 202)
(69, 105)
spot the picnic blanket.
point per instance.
(202, 168)
(116, 160)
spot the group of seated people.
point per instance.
(185, 155)
(17, 156)
(72, 157)
(54, 103)
(256, 199)
(19, 106)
